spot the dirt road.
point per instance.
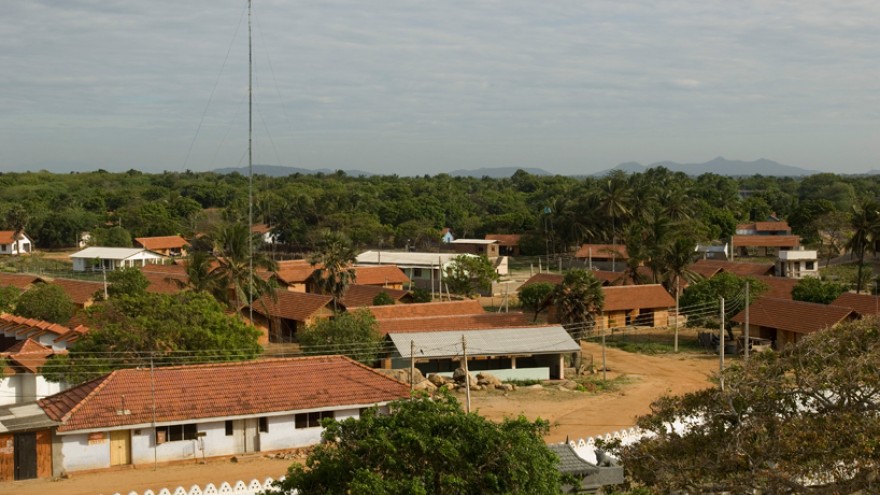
(573, 414)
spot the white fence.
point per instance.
(240, 488)
(586, 447)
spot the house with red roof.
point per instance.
(13, 245)
(763, 239)
(508, 244)
(604, 256)
(169, 245)
(281, 317)
(642, 305)
(784, 321)
(138, 417)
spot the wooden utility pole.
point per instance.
(412, 367)
(467, 374)
(721, 353)
(746, 342)
(677, 283)
(604, 365)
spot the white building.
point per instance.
(14, 245)
(113, 258)
(798, 263)
(188, 413)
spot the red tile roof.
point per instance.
(17, 280)
(8, 236)
(297, 272)
(28, 355)
(358, 295)
(794, 316)
(504, 239)
(766, 241)
(260, 228)
(454, 323)
(778, 287)
(80, 291)
(772, 227)
(416, 310)
(297, 306)
(864, 304)
(24, 328)
(710, 268)
(544, 278)
(201, 392)
(626, 297)
(163, 284)
(165, 242)
(380, 275)
(601, 251)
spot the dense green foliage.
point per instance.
(382, 299)
(578, 300)
(805, 420)
(8, 297)
(334, 266)
(127, 281)
(353, 333)
(45, 302)
(815, 290)
(702, 301)
(469, 275)
(129, 331)
(392, 211)
(428, 446)
(536, 297)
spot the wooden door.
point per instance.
(25, 456)
(7, 457)
(247, 435)
(120, 447)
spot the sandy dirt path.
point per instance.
(572, 414)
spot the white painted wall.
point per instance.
(77, 454)
(8, 390)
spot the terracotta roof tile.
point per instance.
(794, 316)
(358, 295)
(416, 310)
(454, 323)
(625, 297)
(505, 239)
(165, 242)
(8, 236)
(163, 284)
(27, 354)
(710, 268)
(766, 241)
(601, 251)
(544, 278)
(201, 392)
(777, 287)
(24, 328)
(295, 274)
(380, 275)
(80, 291)
(772, 227)
(864, 304)
(297, 306)
(19, 281)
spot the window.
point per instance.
(811, 265)
(229, 428)
(264, 425)
(417, 273)
(174, 433)
(311, 420)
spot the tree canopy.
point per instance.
(701, 300)
(45, 302)
(816, 290)
(353, 333)
(805, 420)
(469, 275)
(536, 297)
(578, 299)
(427, 446)
(130, 331)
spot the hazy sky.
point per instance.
(413, 87)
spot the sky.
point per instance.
(414, 87)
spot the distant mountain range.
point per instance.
(282, 171)
(720, 166)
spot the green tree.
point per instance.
(238, 256)
(865, 222)
(382, 299)
(162, 329)
(8, 297)
(334, 266)
(45, 302)
(816, 290)
(354, 334)
(431, 447)
(200, 274)
(127, 281)
(700, 301)
(805, 420)
(578, 299)
(469, 275)
(111, 237)
(536, 297)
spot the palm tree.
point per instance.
(237, 267)
(17, 218)
(865, 222)
(614, 201)
(678, 256)
(200, 274)
(334, 266)
(578, 299)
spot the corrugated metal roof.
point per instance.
(417, 260)
(24, 417)
(111, 253)
(492, 342)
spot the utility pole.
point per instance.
(604, 364)
(153, 397)
(412, 367)
(677, 281)
(746, 337)
(721, 361)
(467, 374)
